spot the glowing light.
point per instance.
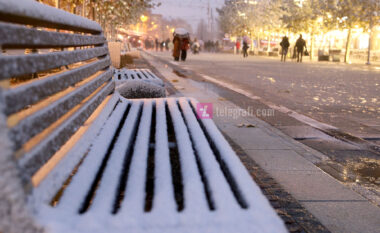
(144, 18)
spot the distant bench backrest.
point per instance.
(54, 72)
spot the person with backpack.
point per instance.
(284, 48)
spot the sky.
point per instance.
(190, 10)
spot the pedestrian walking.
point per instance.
(300, 45)
(176, 48)
(284, 48)
(167, 44)
(237, 47)
(171, 46)
(185, 45)
(157, 44)
(195, 47)
(245, 48)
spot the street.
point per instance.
(343, 96)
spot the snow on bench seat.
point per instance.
(136, 74)
(155, 167)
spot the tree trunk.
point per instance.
(258, 41)
(369, 41)
(348, 45)
(252, 43)
(93, 10)
(84, 9)
(312, 46)
(269, 47)
(58, 3)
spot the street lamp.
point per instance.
(144, 18)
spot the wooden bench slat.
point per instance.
(15, 36)
(40, 120)
(37, 14)
(31, 162)
(164, 190)
(84, 178)
(221, 195)
(30, 93)
(106, 193)
(134, 197)
(193, 192)
(48, 181)
(12, 66)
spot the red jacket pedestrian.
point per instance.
(237, 46)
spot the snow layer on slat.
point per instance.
(40, 120)
(105, 195)
(163, 187)
(148, 72)
(15, 36)
(48, 187)
(133, 204)
(31, 92)
(220, 191)
(82, 181)
(16, 65)
(132, 74)
(40, 154)
(259, 206)
(194, 196)
(34, 10)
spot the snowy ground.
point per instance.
(345, 96)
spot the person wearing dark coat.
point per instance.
(284, 48)
(157, 44)
(185, 45)
(176, 48)
(245, 48)
(167, 44)
(300, 45)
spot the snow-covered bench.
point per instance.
(78, 157)
(136, 74)
(138, 83)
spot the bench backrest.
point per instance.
(54, 72)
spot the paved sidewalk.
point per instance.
(289, 162)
